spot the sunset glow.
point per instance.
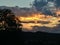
(53, 21)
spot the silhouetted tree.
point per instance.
(10, 20)
(0, 15)
(1, 20)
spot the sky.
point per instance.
(20, 3)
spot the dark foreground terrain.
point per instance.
(28, 38)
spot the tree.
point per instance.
(1, 20)
(9, 20)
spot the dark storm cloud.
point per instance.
(42, 6)
(57, 3)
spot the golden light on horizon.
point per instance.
(53, 21)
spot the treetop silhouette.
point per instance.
(9, 20)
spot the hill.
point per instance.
(29, 38)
